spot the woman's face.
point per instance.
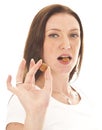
(62, 43)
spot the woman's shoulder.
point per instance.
(14, 101)
(84, 96)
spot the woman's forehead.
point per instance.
(62, 21)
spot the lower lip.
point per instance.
(64, 63)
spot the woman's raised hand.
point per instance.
(32, 99)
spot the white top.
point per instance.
(59, 116)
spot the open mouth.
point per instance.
(64, 58)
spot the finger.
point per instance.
(48, 81)
(32, 63)
(32, 71)
(20, 73)
(9, 85)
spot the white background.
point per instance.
(15, 19)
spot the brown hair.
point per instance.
(34, 43)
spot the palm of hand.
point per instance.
(32, 99)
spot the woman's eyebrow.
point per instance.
(56, 29)
(53, 29)
(75, 29)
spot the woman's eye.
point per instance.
(53, 35)
(74, 35)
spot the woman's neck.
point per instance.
(61, 89)
(60, 83)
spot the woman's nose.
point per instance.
(65, 44)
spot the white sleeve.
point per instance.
(16, 112)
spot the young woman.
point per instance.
(45, 99)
